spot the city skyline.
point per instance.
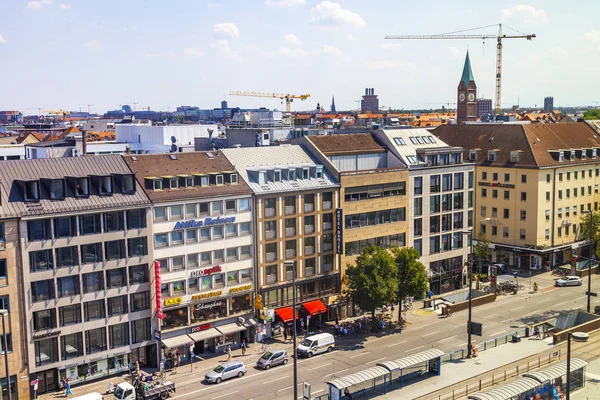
(162, 56)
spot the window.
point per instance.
(568, 176)
(216, 207)
(547, 234)
(2, 236)
(219, 179)
(93, 282)
(506, 213)
(483, 211)
(65, 227)
(446, 182)
(559, 232)
(68, 286)
(434, 183)
(91, 253)
(117, 305)
(114, 250)
(136, 219)
(45, 319)
(561, 156)
(568, 193)
(231, 254)
(118, 335)
(494, 230)
(157, 184)
(160, 213)
(116, 278)
(32, 191)
(523, 196)
(309, 203)
(244, 204)
(174, 183)
(39, 230)
(230, 206)
(483, 192)
(140, 301)
(491, 156)
(271, 272)
(506, 195)
(67, 257)
(548, 177)
(41, 260)
(57, 189)
(459, 181)
(494, 212)
(547, 196)
(327, 200)
(494, 193)
(160, 240)
(245, 252)
(507, 177)
(217, 232)
(482, 228)
(90, 224)
(69, 315)
(246, 275)
(137, 247)
(418, 206)
(218, 256)
(309, 267)
(522, 234)
(233, 178)
(140, 330)
(524, 178)
(95, 340)
(93, 310)
(483, 175)
(399, 141)
(418, 185)
(46, 351)
(71, 346)
(176, 212)
(191, 236)
(523, 215)
(114, 222)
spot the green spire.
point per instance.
(467, 75)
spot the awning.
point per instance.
(231, 328)
(205, 335)
(373, 373)
(556, 371)
(315, 307)
(250, 322)
(509, 391)
(411, 360)
(176, 341)
(286, 314)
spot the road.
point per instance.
(507, 314)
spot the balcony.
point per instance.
(271, 235)
(289, 210)
(327, 205)
(271, 257)
(289, 232)
(309, 207)
(309, 271)
(308, 229)
(327, 226)
(290, 253)
(269, 212)
(308, 250)
(271, 279)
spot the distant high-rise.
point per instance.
(369, 102)
(224, 104)
(332, 104)
(126, 109)
(466, 109)
(484, 107)
(549, 104)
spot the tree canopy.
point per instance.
(592, 114)
(412, 275)
(482, 249)
(585, 229)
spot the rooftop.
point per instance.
(358, 143)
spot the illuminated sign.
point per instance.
(495, 184)
(200, 328)
(193, 223)
(157, 284)
(207, 295)
(339, 232)
(207, 271)
(240, 288)
(208, 306)
(173, 301)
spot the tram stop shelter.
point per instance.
(381, 377)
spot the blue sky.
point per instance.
(71, 53)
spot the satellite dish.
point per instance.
(173, 148)
(173, 139)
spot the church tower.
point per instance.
(333, 105)
(466, 109)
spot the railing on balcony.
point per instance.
(309, 207)
(269, 212)
(327, 226)
(290, 210)
(309, 271)
(290, 232)
(271, 279)
(271, 257)
(290, 253)
(327, 205)
(308, 250)
(270, 234)
(308, 229)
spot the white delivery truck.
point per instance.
(144, 391)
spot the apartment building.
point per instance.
(295, 209)
(441, 203)
(373, 195)
(202, 242)
(532, 184)
(83, 260)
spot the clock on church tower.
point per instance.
(466, 108)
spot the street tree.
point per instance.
(373, 281)
(585, 230)
(412, 275)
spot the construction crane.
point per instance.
(457, 35)
(55, 113)
(288, 98)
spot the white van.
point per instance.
(311, 345)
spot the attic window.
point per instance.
(593, 153)
(561, 156)
(319, 172)
(128, 184)
(399, 141)
(157, 184)
(189, 181)
(32, 191)
(174, 183)
(583, 154)
(219, 179)
(514, 156)
(572, 155)
(277, 176)
(305, 173)
(57, 189)
(106, 185)
(432, 138)
(491, 155)
(472, 155)
(82, 187)
(233, 178)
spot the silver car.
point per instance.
(568, 281)
(225, 371)
(272, 359)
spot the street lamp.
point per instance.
(4, 312)
(589, 291)
(578, 337)
(293, 265)
(470, 233)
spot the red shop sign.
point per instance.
(157, 286)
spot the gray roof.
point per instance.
(411, 360)
(276, 157)
(12, 204)
(556, 371)
(359, 377)
(509, 391)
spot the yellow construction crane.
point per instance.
(57, 112)
(498, 37)
(288, 98)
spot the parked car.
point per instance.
(323, 342)
(225, 371)
(272, 359)
(568, 281)
(501, 269)
(276, 329)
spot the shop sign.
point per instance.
(240, 288)
(208, 306)
(174, 301)
(206, 222)
(157, 284)
(339, 235)
(46, 335)
(207, 295)
(204, 272)
(496, 184)
(200, 328)
(157, 335)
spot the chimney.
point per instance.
(128, 150)
(83, 142)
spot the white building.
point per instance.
(151, 139)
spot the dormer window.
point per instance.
(82, 187)
(219, 179)
(233, 178)
(292, 175)
(57, 189)
(432, 139)
(399, 141)
(127, 183)
(277, 176)
(514, 156)
(561, 156)
(106, 185)
(491, 155)
(583, 154)
(157, 184)
(32, 191)
(319, 172)
(305, 173)
(593, 153)
(572, 155)
(189, 181)
(472, 155)
(262, 177)
(173, 183)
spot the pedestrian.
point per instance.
(302, 326)
(228, 351)
(111, 388)
(137, 368)
(285, 333)
(243, 346)
(67, 388)
(174, 362)
(178, 357)
(337, 321)
(62, 384)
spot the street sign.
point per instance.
(157, 335)
(306, 391)
(476, 329)
(592, 294)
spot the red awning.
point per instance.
(315, 307)
(285, 313)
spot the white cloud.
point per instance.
(47, 1)
(286, 51)
(330, 50)
(528, 14)
(151, 55)
(65, 6)
(332, 14)
(455, 52)
(192, 52)
(226, 30)
(2, 40)
(592, 36)
(284, 3)
(293, 39)
(93, 44)
(35, 5)
(222, 46)
(351, 37)
(212, 5)
(388, 64)
(389, 46)
(171, 55)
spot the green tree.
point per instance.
(481, 250)
(585, 229)
(412, 275)
(373, 281)
(592, 114)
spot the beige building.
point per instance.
(532, 184)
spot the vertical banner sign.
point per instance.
(339, 236)
(157, 285)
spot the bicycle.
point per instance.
(262, 349)
(408, 306)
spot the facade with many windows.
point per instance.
(441, 201)
(84, 264)
(533, 184)
(202, 227)
(296, 201)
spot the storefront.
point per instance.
(446, 275)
